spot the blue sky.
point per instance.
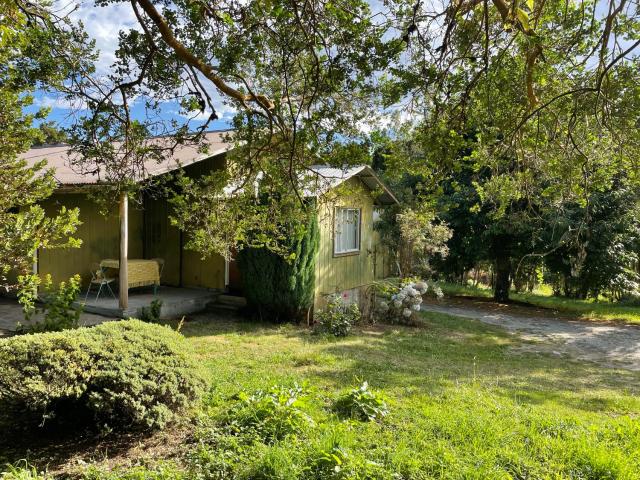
(103, 24)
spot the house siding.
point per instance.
(337, 273)
(197, 271)
(151, 235)
(100, 237)
(163, 240)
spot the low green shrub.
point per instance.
(328, 463)
(337, 317)
(270, 415)
(361, 404)
(58, 307)
(126, 374)
(151, 314)
(280, 286)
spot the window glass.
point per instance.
(347, 230)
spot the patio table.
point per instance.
(140, 272)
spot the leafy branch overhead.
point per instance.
(538, 99)
(296, 73)
(30, 57)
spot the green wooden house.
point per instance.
(350, 254)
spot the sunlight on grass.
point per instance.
(542, 297)
(464, 402)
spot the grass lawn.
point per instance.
(584, 309)
(466, 401)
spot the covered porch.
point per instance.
(130, 299)
(176, 302)
(135, 235)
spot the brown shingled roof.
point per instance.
(58, 157)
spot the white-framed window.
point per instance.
(347, 230)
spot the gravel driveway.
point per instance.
(609, 344)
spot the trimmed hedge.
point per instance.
(126, 374)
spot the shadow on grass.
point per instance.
(428, 358)
(448, 351)
(60, 451)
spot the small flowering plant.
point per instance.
(399, 302)
(338, 317)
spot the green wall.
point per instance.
(151, 235)
(100, 237)
(345, 272)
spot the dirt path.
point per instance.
(606, 343)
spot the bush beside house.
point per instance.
(125, 374)
(281, 289)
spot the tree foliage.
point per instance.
(30, 57)
(536, 101)
(599, 259)
(299, 75)
(527, 111)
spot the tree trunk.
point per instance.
(502, 279)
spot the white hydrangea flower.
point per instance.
(401, 296)
(416, 307)
(397, 303)
(406, 312)
(416, 300)
(422, 287)
(384, 306)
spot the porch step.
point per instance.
(232, 300)
(228, 303)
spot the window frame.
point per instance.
(358, 232)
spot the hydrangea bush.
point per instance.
(400, 302)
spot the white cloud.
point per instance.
(59, 101)
(102, 24)
(224, 111)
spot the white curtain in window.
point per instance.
(347, 230)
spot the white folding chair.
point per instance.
(99, 278)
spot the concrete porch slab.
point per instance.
(11, 314)
(176, 302)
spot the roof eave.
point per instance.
(368, 172)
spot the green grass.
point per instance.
(585, 309)
(465, 401)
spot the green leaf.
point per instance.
(523, 18)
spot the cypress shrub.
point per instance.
(279, 289)
(126, 374)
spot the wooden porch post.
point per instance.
(124, 246)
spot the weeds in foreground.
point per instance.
(362, 404)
